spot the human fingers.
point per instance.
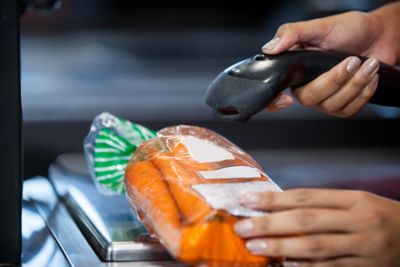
(297, 221)
(328, 83)
(282, 101)
(344, 261)
(299, 198)
(361, 100)
(306, 247)
(358, 87)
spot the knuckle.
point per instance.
(304, 217)
(359, 15)
(261, 225)
(366, 197)
(286, 27)
(276, 247)
(302, 195)
(306, 98)
(361, 195)
(330, 106)
(339, 77)
(359, 82)
(376, 218)
(268, 199)
(316, 245)
(290, 30)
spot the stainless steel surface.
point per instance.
(107, 221)
(39, 247)
(59, 222)
(52, 238)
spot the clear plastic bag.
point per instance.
(185, 186)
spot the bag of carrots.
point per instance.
(184, 184)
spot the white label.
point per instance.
(227, 196)
(203, 151)
(231, 172)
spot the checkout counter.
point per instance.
(66, 221)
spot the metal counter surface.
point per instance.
(107, 221)
(39, 246)
(52, 238)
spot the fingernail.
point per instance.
(249, 199)
(282, 102)
(271, 44)
(374, 81)
(370, 66)
(243, 228)
(257, 246)
(353, 64)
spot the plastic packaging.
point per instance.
(109, 146)
(185, 186)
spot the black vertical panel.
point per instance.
(10, 134)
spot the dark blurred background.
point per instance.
(151, 62)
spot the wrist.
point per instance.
(385, 23)
(376, 24)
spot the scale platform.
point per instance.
(107, 221)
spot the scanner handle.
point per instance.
(301, 67)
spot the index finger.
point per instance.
(299, 198)
(311, 32)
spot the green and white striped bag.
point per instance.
(109, 146)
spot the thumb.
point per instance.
(291, 34)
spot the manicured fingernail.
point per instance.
(370, 66)
(374, 81)
(282, 102)
(352, 64)
(243, 228)
(271, 44)
(256, 246)
(249, 199)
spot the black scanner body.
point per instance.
(249, 86)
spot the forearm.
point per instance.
(388, 20)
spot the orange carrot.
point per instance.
(179, 180)
(216, 243)
(149, 192)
